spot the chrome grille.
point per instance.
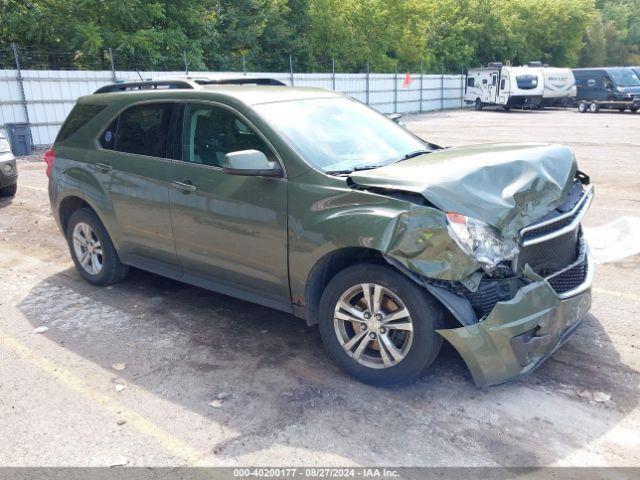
(559, 224)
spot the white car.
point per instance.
(8, 169)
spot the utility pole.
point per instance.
(291, 69)
(367, 80)
(333, 73)
(421, 85)
(23, 97)
(186, 62)
(113, 66)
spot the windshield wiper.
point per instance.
(417, 153)
(355, 169)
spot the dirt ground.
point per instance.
(280, 401)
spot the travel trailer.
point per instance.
(559, 87)
(613, 88)
(503, 86)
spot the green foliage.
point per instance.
(384, 35)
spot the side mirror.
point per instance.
(249, 163)
(395, 117)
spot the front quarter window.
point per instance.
(339, 134)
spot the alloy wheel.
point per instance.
(87, 248)
(373, 325)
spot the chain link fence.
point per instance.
(38, 87)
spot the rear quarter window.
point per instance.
(79, 116)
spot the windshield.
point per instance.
(624, 77)
(340, 134)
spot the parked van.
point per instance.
(615, 88)
(504, 86)
(559, 87)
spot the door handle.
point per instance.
(186, 186)
(103, 167)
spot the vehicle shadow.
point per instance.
(186, 345)
(5, 201)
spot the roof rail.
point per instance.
(239, 81)
(146, 85)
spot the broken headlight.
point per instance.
(481, 241)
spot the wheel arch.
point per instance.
(327, 267)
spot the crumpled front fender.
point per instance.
(519, 334)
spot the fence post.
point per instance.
(23, 97)
(421, 87)
(395, 91)
(367, 82)
(186, 62)
(462, 82)
(244, 65)
(291, 69)
(333, 73)
(113, 66)
(442, 86)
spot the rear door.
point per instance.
(132, 162)
(230, 230)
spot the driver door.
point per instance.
(230, 231)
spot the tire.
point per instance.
(479, 104)
(633, 109)
(507, 108)
(415, 350)
(9, 191)
(621, 109)
(594, 107)
(583, 107)
(110, 270)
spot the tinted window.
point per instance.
(502, 83)
(493, 81)
(144, 129)
(209, 133)
(108, 137)
(527, 82)
(471, 82)
(79, 116)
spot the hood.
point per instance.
(507, 186)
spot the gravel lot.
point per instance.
(280, 401)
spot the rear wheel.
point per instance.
(594, 107)
(633, 109)
(479, 104)
(621, 109)
(378, 325)
(583, 107)
(9, 191)
(507, 108)
(92, 250)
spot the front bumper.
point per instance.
(519, 334)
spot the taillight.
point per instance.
(50, 159)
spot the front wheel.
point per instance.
(583, 107)
(380, 326)
(479, 104)
(633, 109)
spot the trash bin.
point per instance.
(20, 138)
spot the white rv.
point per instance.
(559, 87)
(504, 86)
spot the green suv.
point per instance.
(309, 202)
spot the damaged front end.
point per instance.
(518, 317)
(517, 313)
